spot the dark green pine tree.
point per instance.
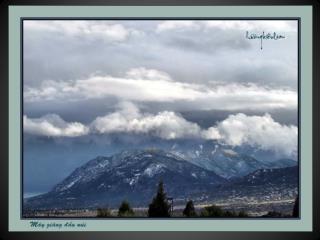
(159, 207)
(295, 212)
(189, 210)
(125, 210)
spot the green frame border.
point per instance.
(302, 12)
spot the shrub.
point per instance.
(273, 214)
(215, 211)
(103, 212)
(212, 211)
(125, 210)
(242, 214)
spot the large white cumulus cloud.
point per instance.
(166, 125)
(236, 130)
(260, 131)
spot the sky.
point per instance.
(90, 87)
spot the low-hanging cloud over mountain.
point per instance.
(261, 131)
(235, 130)
(128, 119)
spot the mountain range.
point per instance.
(133, 175)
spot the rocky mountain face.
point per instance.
(134, 175)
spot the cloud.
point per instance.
(188, 56)
(235, 130)
(85, 29)
(127, 119)
(233, 25)
(177, 25)
(150, 85)
(257, 25)
(149, 74)
(207, 44)
(260, 131)
(166, 125)
(52, 125)
(138, 84)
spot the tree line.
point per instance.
(160, 207)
